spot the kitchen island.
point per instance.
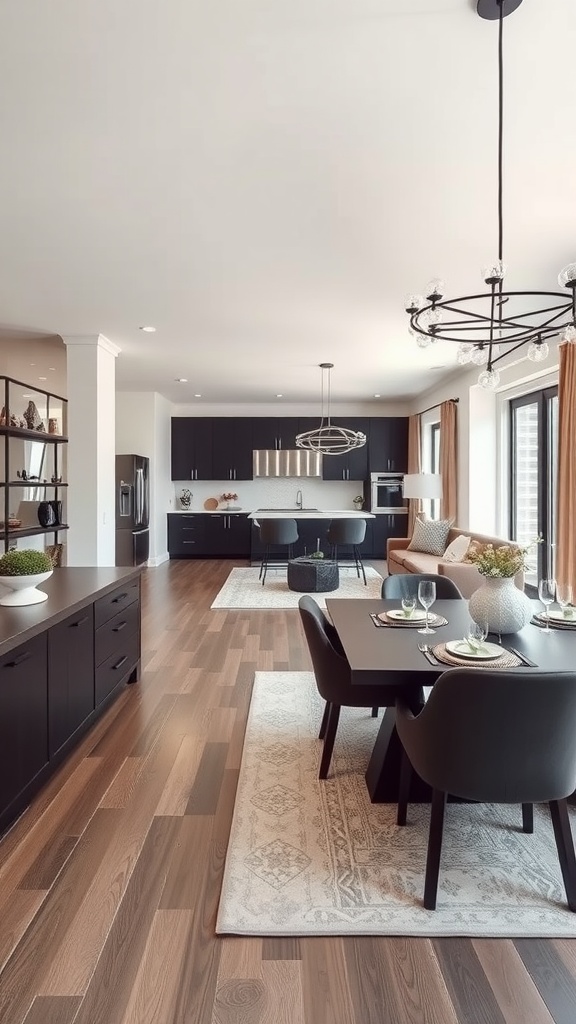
(61, 664)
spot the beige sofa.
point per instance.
(464, 574)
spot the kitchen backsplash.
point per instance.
(274, 492)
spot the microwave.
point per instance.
(386, 493)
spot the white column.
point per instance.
(91, 370)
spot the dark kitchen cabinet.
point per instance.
(70, 676)
(353, 465)
(380, 529)
(388, 444)
(226, 536)
(186, 535)
(232, 445)
(23, 717)
(191, 448)
(278, 432)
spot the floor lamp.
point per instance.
(421, 486)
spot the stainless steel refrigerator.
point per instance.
(132, 509)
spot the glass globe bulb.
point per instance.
(567, 276)
(568, 334)
(435, 288)
(538, 351)
(479, 355)
(422, 341)
(464, 354)
(489, 379)
(413, 302)
(494, 271)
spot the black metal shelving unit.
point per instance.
(8, 485)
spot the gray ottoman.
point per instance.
(313, 575)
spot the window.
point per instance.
(533, 470)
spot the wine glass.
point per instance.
(546, 592)
(426, 596)
(565, 598)
(408, 606)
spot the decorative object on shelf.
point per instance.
(21, 571)
(53, 427)
(55, 479)
(498, 601)
(185, 497)
(358, 502)
(54, 552)
(13, 523)
(33, 419)
(46, 514)
(228, 498)
(57, 508)
(211, 504)
(329, 439)
(482, 323)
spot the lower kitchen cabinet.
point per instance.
(51, 685)
(214, 535)
(378, 532)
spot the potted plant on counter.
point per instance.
(21, 570)
(358, 502)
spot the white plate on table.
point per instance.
(397, 613)
(560, 617)
(461, 649)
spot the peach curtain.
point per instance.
(566, 494)
(414, 466)
(448, 459)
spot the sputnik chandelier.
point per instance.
(492, 324)
(329, 439)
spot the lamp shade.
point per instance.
(422, 485)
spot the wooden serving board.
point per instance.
(210, 504)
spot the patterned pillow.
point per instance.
(430, 537)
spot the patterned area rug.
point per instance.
(312, 858)
(243, 589)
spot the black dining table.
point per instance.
(385, 656)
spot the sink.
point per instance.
(287, 509)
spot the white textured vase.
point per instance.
(500, 603)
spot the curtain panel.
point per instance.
(414, 466)
(448, 459)
(566, 494)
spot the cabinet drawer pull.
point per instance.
(188, 541)
(120, 663)
(119, 627)
(119, 598)
(80, 622)
(19, 659)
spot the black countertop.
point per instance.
(68, 589)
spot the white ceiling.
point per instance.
(264, 181)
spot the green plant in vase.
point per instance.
(21, 570)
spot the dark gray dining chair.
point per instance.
(348, 533)
(494, 737)
(276, 533)
(332, 673)
(405, 584)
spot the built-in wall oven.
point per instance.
(386, 494)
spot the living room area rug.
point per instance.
(311, 857)
(243, 589)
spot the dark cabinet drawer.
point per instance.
(110, 636)
(70, 676)
(118, 599)
(23, 717)
(117, 667)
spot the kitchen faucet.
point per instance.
(298, 499)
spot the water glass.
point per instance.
(478, 631)
(546, 593)
(408, 606)
(426, 596)
(565, 598)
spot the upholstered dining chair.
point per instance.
(405, 584)
(332, 673)
(494, 737)
(348, 533)
(276, 533)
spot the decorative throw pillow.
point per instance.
(430, 537)
(456, 551)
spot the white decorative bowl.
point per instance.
(23, 589)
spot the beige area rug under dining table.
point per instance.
(243, 589)
(317, 858)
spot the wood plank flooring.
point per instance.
(109, 883)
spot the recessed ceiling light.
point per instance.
(42, 378)
(32, 364)
(181, 380)
(377, 396)
(27, 396)
(197, 396)
(51, 367)
(149, 330)
(279, 396)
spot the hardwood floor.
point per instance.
(109, 883)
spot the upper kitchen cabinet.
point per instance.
(275, 433)
(388, 444)
(191, 448)
(232, 444)
(353, 465)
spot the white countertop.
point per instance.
(293, 513)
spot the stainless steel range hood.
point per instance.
(287, 462)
